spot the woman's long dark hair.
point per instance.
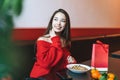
(66, 32)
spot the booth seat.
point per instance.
(81, 47)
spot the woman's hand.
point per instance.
(71, 59)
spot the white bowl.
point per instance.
(76, 70)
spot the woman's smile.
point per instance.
(58, 27)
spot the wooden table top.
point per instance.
(114, 65)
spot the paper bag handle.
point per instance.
(103, 45)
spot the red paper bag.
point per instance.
(100, 56)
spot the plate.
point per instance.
(78, 68)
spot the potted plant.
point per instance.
(8, 9)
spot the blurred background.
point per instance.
(23, 21)
(8, 62)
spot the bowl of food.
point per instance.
(78, 68)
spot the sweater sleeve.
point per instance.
(49, 56)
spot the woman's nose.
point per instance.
(58, 22)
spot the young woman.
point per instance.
(53, 48)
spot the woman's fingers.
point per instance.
(71, 59)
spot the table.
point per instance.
(116, 54)
(114, 65)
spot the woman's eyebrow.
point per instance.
(55, 17)
(64, 19)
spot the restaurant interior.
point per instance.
(91, 21)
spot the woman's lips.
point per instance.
(58, 27)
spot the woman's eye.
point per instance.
(55, 19)
(63, 21)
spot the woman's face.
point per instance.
(59, 22)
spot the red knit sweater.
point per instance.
(51, 57)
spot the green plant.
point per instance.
(8, 9)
